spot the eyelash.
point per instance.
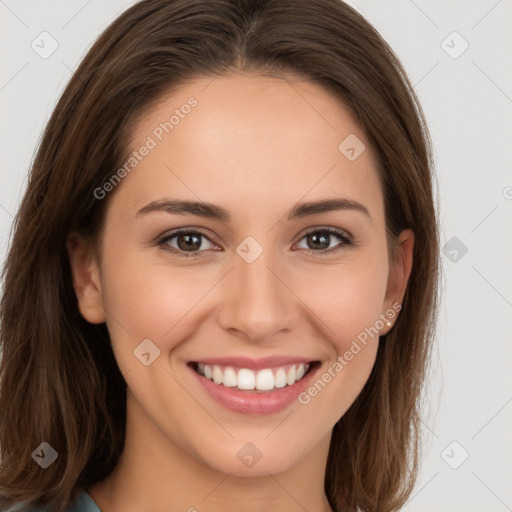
(344, 237)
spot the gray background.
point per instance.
(467, 98)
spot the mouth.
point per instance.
(254, 387)
(263, 380)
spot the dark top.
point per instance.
(84, 503)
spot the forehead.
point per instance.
(247, 142)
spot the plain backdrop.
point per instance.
(458, 56)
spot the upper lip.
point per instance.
(251, 363)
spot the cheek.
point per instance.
(349, 311)
(347, 299)
(144, 299)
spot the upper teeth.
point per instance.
(262, 380)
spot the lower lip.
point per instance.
(252, 401)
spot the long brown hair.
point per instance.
(59, 381)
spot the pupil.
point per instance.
(322, 238)
(189, 244)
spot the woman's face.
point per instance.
(249, 293)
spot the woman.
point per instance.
(221, 291)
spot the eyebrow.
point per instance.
(212, 211)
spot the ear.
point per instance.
(86, 278)
(399, 273)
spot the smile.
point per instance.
(249, 386)
(266, 379)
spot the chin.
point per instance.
(256, 458)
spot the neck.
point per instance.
(155, 474)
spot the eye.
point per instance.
(320, 238)
(188, 242)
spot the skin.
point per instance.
(255, 146)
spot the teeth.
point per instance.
(246, 379)
(280, 378)
(218, 375)
(230, 378)
(265, 380)
(262, 380)
(290, 376)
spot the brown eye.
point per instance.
(186, 242)
(319, 241)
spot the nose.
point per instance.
(257, 303)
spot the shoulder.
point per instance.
(83, 503)
(22, 507)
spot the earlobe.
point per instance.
(86, 278)
(399, 274)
